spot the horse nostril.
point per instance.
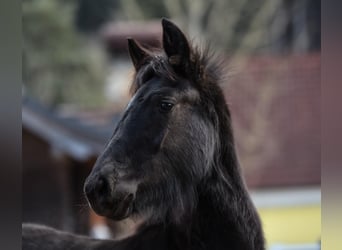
(102, 186)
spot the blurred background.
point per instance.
(76, 75)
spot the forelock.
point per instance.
(204, 68)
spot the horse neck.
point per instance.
(225, 215)
(223, 218)
(226, 219)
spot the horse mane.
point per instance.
(205, 66)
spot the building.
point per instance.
(275, 104)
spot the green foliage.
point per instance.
(58, 65)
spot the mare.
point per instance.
(170, 163)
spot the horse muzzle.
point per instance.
(110, 197)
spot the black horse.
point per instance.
(170, 163)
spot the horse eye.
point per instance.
(166, 106)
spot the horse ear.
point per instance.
(137, 53)
(175, 44)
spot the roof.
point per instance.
(275, 105)
(75, 137)
(115, 34)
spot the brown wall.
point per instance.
(52, 187)
(43, 184)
